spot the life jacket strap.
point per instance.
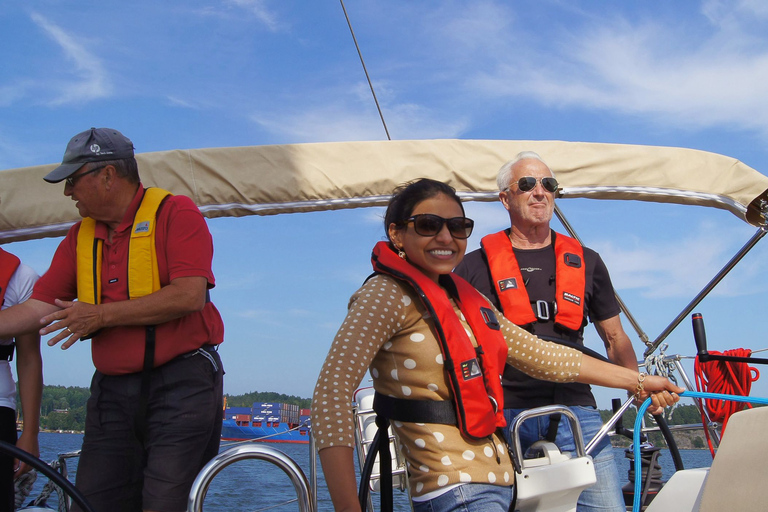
(140, 422)
(415, 411)
(6, 352)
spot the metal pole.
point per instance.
(251, 451)
(705, 291)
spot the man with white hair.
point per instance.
(549, 284)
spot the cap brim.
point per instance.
(63, 172)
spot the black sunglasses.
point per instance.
(527, 183)
(426, 224)
(73, 179)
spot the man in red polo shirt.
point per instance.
(139, 265)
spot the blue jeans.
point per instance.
(469, 498)
(606, 494)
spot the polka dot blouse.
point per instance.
(388, 331)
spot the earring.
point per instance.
(401, 252)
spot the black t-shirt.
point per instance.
(537, 267)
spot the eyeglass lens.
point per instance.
(527, 183)
(427, 224)
(73, 179)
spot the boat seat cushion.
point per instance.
(737, 478)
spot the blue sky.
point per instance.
(192, 74)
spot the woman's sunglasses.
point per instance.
(426, 224)
(527, 183)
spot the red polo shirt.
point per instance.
(184, 249)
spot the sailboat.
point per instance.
(272, 180)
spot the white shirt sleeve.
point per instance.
(20, 286)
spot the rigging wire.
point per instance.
(370, 84)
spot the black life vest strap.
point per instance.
(6, 352)
(415, 411)
(146, 378)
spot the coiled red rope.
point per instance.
(726, 377)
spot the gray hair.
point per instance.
(504, 176)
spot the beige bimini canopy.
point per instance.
(269, 180)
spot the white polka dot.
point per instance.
(417, 337)
(424, 469)
(406, 300)
(442, 480)
(406, 390)
(387, 345)
(432, 387)
(446, 461)
(419, 486)
(488, 451)
(375, 373)
(468, 455)
(439, 359)
(506, 476)
(464, 477)
(398, 424)
(410, 364)
(491, 477)
(419, 442)
(440, 437)
(393, 373)
(463, 318)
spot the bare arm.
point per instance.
(181, 297)
(337, 461)
(29, 367)
(662, 392)
(24, 318)
(618, 347)
(558, 366)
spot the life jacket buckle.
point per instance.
(542, 310)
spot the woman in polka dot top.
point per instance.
(389, 332)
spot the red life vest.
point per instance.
(8, 265)
(474, 373)
(507, 279)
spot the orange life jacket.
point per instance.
(570, 280)
(8, 265)
(474, 372)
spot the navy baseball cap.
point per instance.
(94, 145)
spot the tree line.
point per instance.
(63, 407)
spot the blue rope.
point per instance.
(638, 428)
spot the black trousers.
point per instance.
(7, 434)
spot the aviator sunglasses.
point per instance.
(427, 224)
(527, 183)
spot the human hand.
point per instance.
(28, 442)
(662, 391)
(74, 320)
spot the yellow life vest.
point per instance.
(143, 273)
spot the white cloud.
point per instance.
(260, 11)
(681, 267)
(179, 102)
(256, 8)
(333, 122)
(679, 75)
(90, 80)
